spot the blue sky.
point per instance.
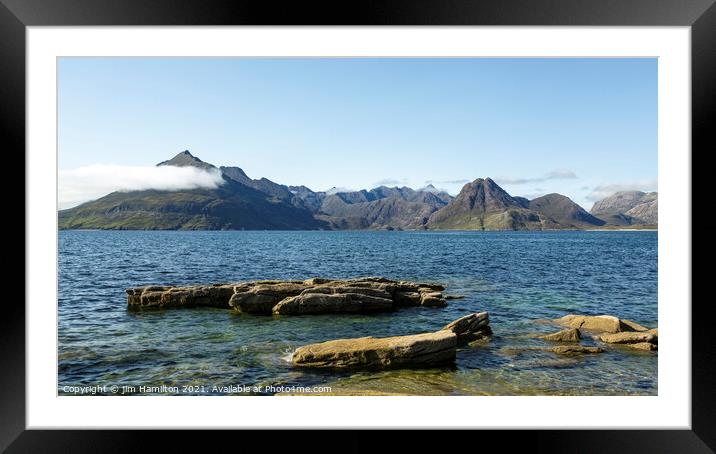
(580, 127)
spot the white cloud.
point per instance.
(446, 181)
(388, 182)
(605, 190)
(337, 190)
(431, 188)
(92, 182)
(560, 174)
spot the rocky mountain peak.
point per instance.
(628, 207)
(484, 195)
(563, 210)
(186, 159)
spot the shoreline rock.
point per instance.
(640, 340)
(470, 328)
(644, 346)
(627, 338)
(416, 350)
(599, 323)
(566, 335)
(427, 349)
(310, 296)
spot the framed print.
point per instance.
(464, 216)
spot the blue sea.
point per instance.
(521, 278)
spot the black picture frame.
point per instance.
(16, 15)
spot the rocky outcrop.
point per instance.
(322, 303)
(417, 350)
(566, 335)
(154, 296)
(470, 328)
(311, 296)
(627, 338)
(260, 298)
(648, 346)
(641, 340)
(612, 330)
(599, 323)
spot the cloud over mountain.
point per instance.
(560, 174)
(389, 182)
(605, 190)
(94, 181)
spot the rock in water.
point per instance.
(419, 350)
(632, 326)
(566, 335)
(627, 338)
(198, 296)
(470, 327)
(644, 346)
(603, 323)
(261, 298)
(641, 340)
(311, 296)
(599, 323)
(320, 303)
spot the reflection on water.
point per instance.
(519, 277)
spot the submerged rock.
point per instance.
(310, 296)
(429, 349)
(552, 363)
(575, 350)
(417, 350)
(566, 335)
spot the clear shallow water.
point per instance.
(519, 277)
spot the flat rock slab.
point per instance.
(310, 296)
(599, 323)
(639, 340)
(627, 338)
(321, 303)
(566, 335)
(648, 346)
(418, 350)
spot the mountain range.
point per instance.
(243, 203)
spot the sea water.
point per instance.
(521, 278)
